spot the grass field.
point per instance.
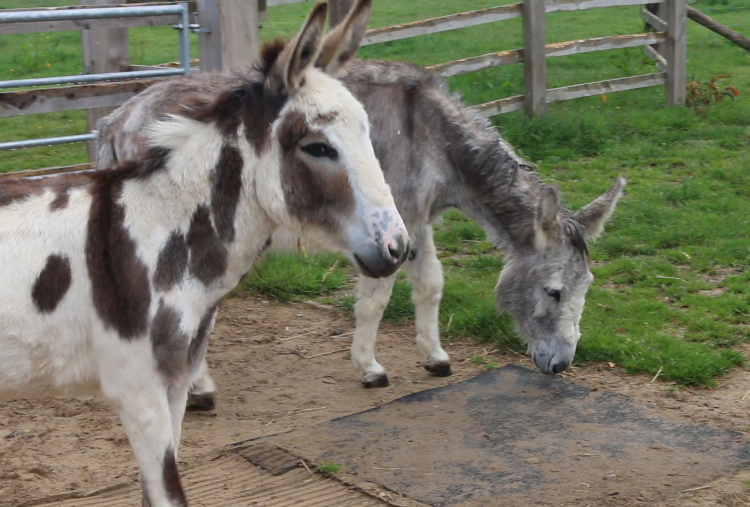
(672, 289)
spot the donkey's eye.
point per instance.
(553, 293)
(320, 150)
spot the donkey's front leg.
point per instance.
(146, 405)
(426, 277)
(372, 298)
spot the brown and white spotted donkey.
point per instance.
(110, 279)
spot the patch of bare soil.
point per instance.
(282, 367)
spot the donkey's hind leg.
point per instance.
(372, 298)
(202, 394)
(426, 277)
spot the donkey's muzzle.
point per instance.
(384, 258)
(551, 364)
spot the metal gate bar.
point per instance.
(96, 13)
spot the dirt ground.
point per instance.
(282, 367)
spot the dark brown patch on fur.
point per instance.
(52, 283)
(197, 348)
(171, 263)
(208, 255)
(13, 190)
(62, 185)
(191, 103)
(312, 195)
(155, 159)
(19, 189)
(168, 342)
(269, 53)
(119, 279)
(251, 104)
(61, 200)
(225, 194)
(172, 479)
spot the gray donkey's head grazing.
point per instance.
(543, 285)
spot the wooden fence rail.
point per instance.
(224, 21)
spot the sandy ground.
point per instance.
(281, 367)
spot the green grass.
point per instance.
(672, 288)
(288, 277)
(328, 467)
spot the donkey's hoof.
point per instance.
(375, 380)
(201, 402)
(439, 369)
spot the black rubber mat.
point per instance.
(515, 437)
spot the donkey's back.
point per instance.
(121, 134)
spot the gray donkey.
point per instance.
(436, 154)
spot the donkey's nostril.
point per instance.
(398, 250)
(559, 367)
(394, 253)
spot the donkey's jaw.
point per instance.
(380, 245)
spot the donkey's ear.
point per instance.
(547, 225)
(303, 50)
(594, 215)
(340, 46)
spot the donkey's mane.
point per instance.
(511, 188)
(506, 183)
(269, 53)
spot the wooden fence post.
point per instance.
(104, 50)
(234, 39)
(337, 11)
(675, 50)
(534, 57)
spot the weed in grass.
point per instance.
(701, 94)
(491, 365)
(478, 359)
(486, 364)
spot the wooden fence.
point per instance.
(224, 21)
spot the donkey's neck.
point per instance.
(202, 191)
(495, 187)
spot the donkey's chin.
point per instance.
(378, 264)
